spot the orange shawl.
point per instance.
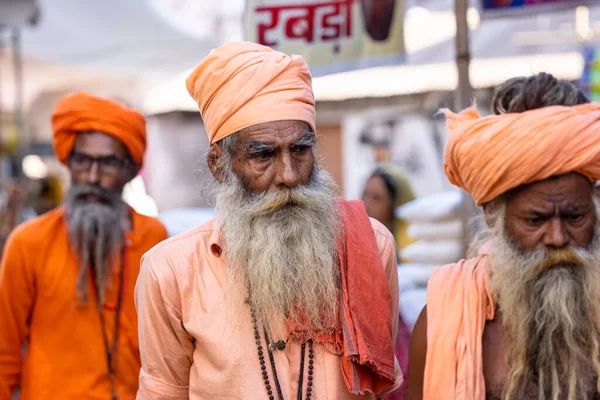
(459, 302)
(364, 336)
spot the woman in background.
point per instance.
(386, 189)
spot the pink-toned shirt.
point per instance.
(196, 343)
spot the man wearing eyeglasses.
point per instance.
(67, 277)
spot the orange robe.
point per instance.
(196, 343)
(65, 356)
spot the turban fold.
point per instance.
(83, 112)
(492, 155)
(241, 84)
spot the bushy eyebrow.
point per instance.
(308, 139)
(576, 208)
(569, 209)
(255, 147)
(539, 214)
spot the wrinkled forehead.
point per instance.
(559, 192)
(276, 133)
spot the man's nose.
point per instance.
(93, 175)
(287, 174)
(556, 235)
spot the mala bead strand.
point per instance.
(261, 358)
(311, 358)
(279, 346)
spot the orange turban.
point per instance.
(82, 112)
(241, 84)
(489, 156)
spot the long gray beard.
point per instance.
(96, 235)
(550, 318)
(283, 246)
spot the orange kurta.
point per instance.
(197, 342)
(64, 356)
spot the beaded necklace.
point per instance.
(280, 345)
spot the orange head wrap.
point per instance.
(489, 156)
(82, 112)
(241, 84)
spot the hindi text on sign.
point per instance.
(325, 21)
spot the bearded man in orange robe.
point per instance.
(67, 277)
(521, 318)
(291, 292)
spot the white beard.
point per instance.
(283, 246)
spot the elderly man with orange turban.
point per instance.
(67, 277)
(291, 292)
(521, 319)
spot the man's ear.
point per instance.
(488, 218)
(489, 213)
(215, 155)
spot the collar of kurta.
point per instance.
(216, 243)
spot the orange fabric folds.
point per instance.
(81, 112)
(364, 335)
(459, 302)
(241, 84)
(489, 156)
(368, 362)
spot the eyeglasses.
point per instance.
(107, 165)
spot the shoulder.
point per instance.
(446, 278)
(455, 285)
(355, 213)
(27, 243)
(38, 230)
(150, 226)
(383, 237)
(464, 271)
(169, 268)
(386, 248)
(175, 254)
(380, 230)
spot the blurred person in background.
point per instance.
(291, 292)
(67, 277)
(520, 319)
(14, 208)
(46, 194)
(387, 189)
